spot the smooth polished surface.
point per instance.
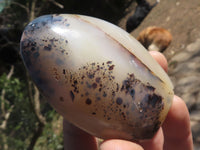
(97, 76)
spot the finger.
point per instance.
(176, 128)
(76, 139)
(156, 143)
(119, 145)
(160, 58)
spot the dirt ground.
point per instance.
(182, 19)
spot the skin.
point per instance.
(175, 133)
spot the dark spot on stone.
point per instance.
(72, 95)
(98, 79)
(94, 85)
(66, 41)
(90, 75)
(75, 82)
(113, 93)
(44, 40)
(153, 100)
(111, 67)
(104, 94)
(156, 99)
(123, 115)
(62, 51)
(93, 113)
(132, 93)
(131, 75)
(82, 77)
(52, 41)
(117, 89)
(32, 49)
(119, 100)
(98, 67)
(151, 88)
(88, 101)
(109, 62)
(122, 88)
(48, 48)
(127, 85)
(64, 71)
(33, 44)
(61, 99)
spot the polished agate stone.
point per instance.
(97, 76)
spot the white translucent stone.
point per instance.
(97, 76)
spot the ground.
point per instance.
(182, 19)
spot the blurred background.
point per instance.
(26, 119)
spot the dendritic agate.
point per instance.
(97, 76)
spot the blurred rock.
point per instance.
(184, 70)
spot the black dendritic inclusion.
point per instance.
(48, 47)
(72, 95)
(88, 101)
(98, 84)
(132, 93)
(153, 99)
(119, 100)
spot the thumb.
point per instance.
(119, 145)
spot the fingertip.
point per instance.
(119, 145)
(177, 119)
(160, 58)
(178, 113)
(76, 139)
(177, 127)
(156, 143)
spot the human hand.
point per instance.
(175, 133)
